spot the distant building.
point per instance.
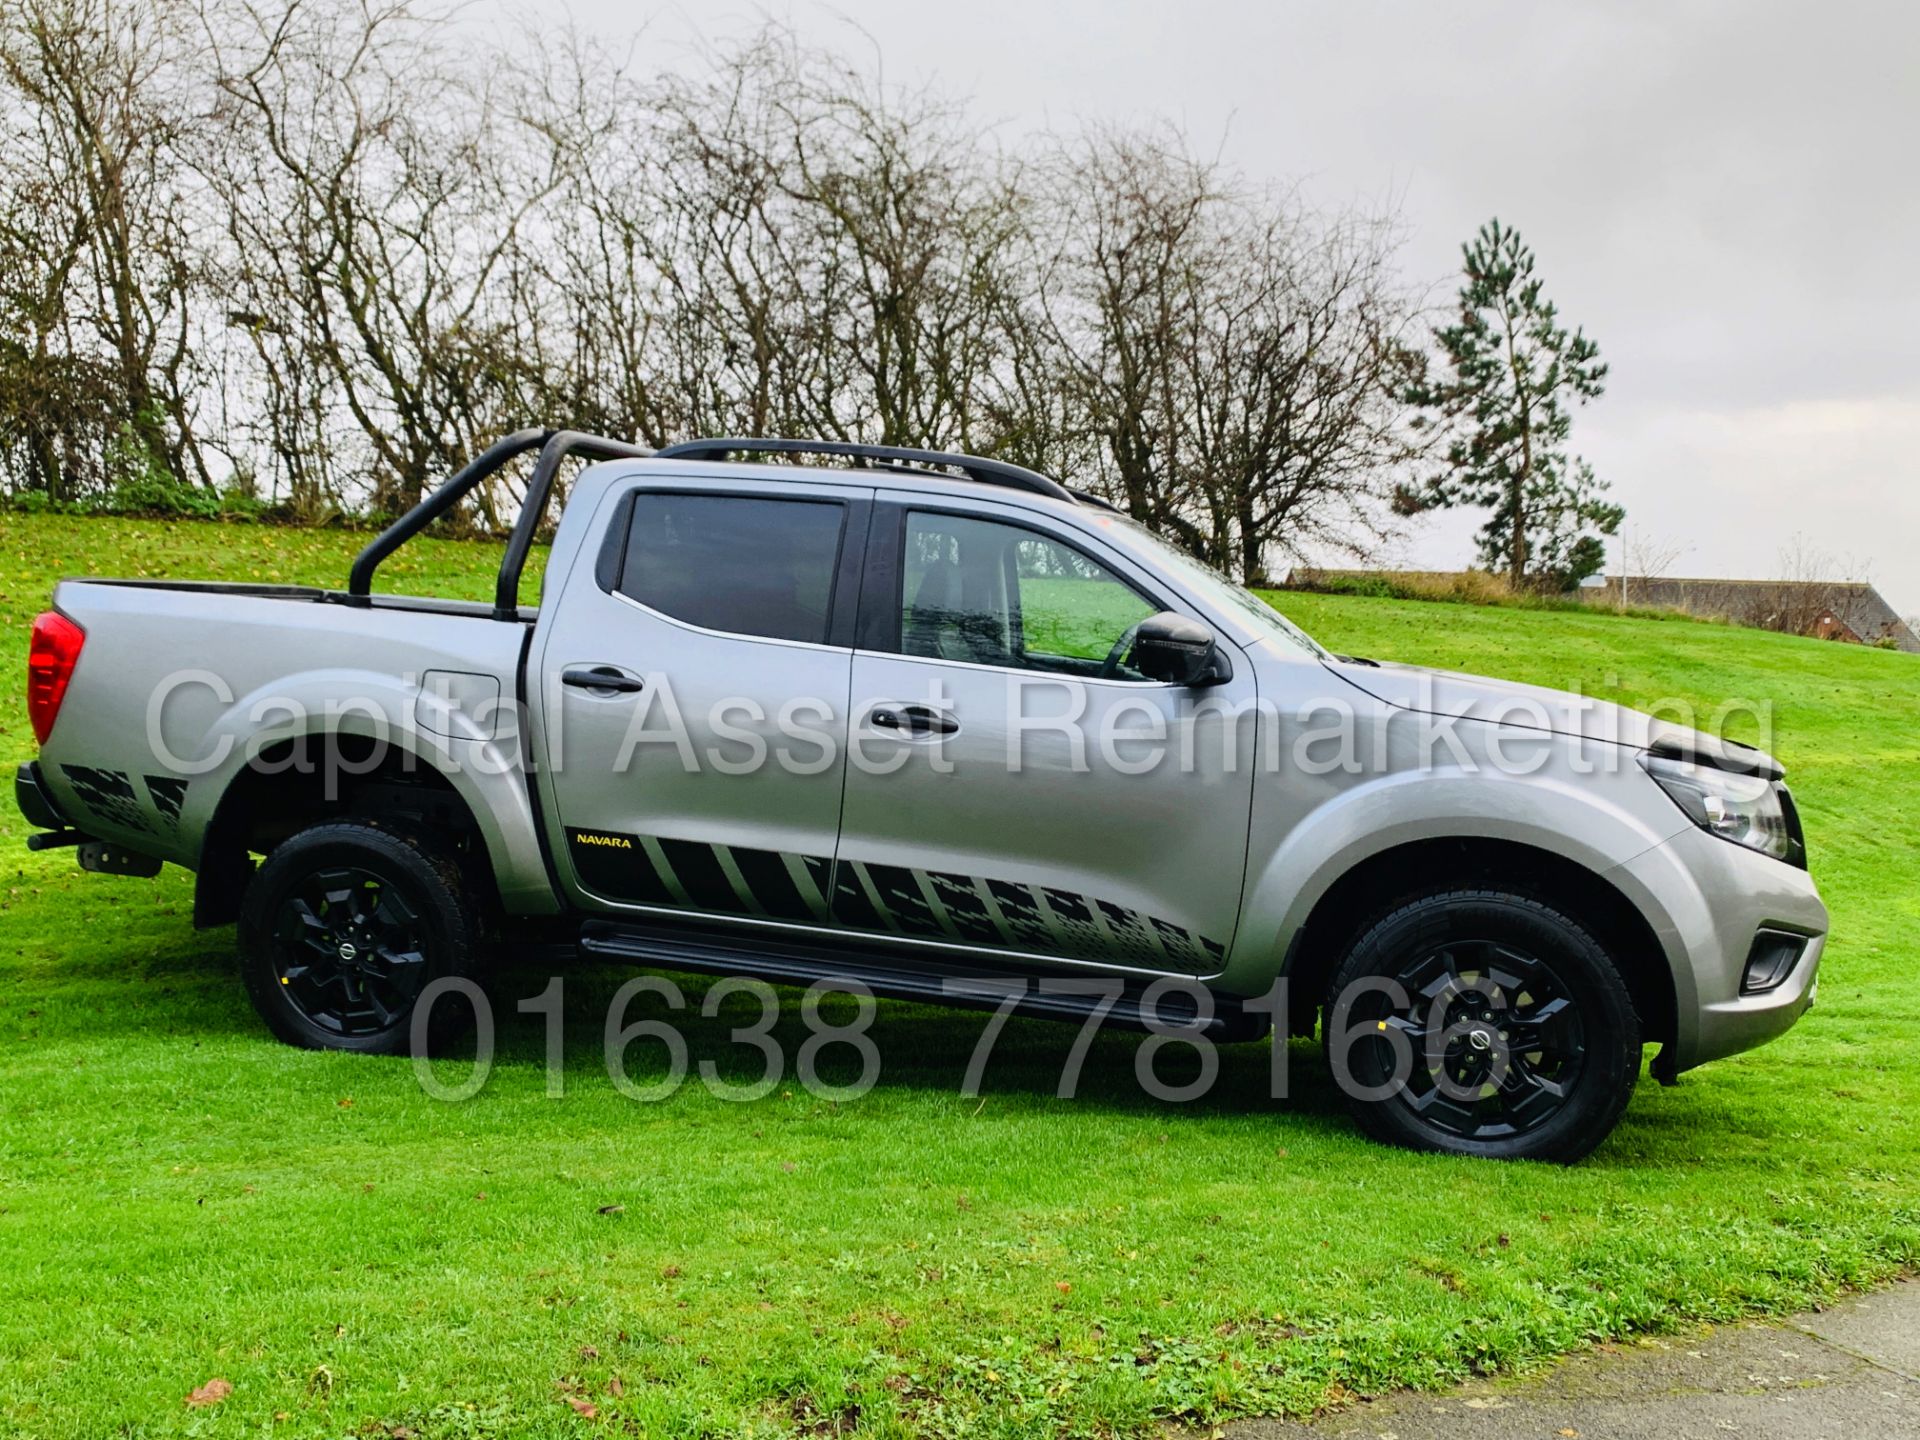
(1847, 610)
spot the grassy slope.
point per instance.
(181, 1198)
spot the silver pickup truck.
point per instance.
(792, 710)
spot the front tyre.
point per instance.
(1481, 1022)
(343, 927)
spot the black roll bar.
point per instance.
(554, 446)
(560, 444)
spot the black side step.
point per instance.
(785, 961)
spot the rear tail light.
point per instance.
(51, 656)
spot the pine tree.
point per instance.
(1513, 370)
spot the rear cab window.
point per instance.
(742, 564)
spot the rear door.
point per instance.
(1003, 792)
(693, 681)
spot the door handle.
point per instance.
(601, 677)
(914, 721)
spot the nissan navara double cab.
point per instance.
(794, 710)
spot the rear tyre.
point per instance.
(343, 927)
(1481, 1022)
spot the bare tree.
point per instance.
(57, 399)
(1298, 363)
(1808, 593)
(1134, 253)
(824, 255)
(365, 247)
(589, 295)
(1644, 556)
(909, 212)
(1237, 358)
(99, 272)
(376, 193)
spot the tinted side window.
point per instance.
(995, 594)
(1072, 607)
(735, 562)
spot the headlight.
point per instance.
(1749, 810)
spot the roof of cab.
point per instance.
(884, 463)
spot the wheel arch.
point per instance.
(285, 788)
(1381, 881)
(418, 739)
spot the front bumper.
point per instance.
(1707, 899)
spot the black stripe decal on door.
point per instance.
(698, 870)
(884, 900)
(764, 872)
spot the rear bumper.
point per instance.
(1708, 900)
(30, 794)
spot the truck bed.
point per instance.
(179, 683)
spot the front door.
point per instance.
(1013, 784)
(694, 687)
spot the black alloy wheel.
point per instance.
(344, 926)
(1483, 1023)
(349, 950)
(1497, 1039)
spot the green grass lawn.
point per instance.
(182, 1199)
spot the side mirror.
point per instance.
(1179, 651)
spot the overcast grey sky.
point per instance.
(1726, 196)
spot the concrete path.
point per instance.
(1851, 1372)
